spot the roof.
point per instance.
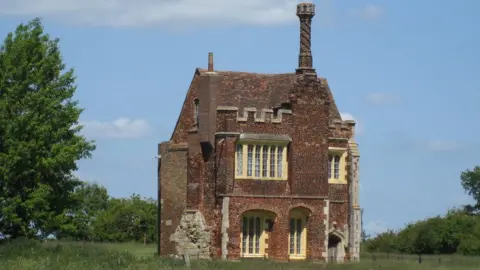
(245, 89)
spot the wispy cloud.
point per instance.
(369, 12)
(122, 13)
(359, 125)
(383, 99)
(121, 128)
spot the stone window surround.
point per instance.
(342, 152)
(258, 141)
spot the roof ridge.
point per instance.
(202, 70)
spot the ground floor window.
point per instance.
(297, 236)
(252, 231)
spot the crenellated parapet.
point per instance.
(342, 129)
(259, 116)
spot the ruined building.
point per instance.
(261, 165)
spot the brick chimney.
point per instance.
(305, 12)
(210, 62)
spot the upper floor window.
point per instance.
(261, 161)
(196, 102)
(336, 165)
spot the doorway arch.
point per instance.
(336, 246)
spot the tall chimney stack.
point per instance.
(305, 12)
(210, 62)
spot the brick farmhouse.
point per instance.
(261, 166)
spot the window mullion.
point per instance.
(245, 158)
(276, 162)
(261, 161)
(268, 161)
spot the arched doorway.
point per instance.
(256, 226)
(336, 248)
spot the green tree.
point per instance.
(127, 219)
(470, 180)
(39, 133)
(77, 224)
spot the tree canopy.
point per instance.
(456, 232)
(40, 144)
(39, 133)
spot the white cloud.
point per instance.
(381, 98)
(375, 227)
(359, 125)
(121, 13)
(121, 128)
(369, 12)
(442, 145)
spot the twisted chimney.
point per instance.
(305, 12)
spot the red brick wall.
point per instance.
(278, 238)
(173, 191)
(210, 177)
(186, 118)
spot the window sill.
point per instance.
(260, 178)
(297, 257)
(252, 256)
(335, 181)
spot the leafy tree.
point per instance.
(470, 180)
(78, 222)
(127, 219)
(39, 133)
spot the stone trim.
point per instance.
(224, 227)
(178, 147)
(260, 116)
(341, 125)
(272, 196)
(353, 148)
(264, 137)
(326, 222)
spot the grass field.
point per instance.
(74, 255)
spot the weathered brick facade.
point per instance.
(203, 202)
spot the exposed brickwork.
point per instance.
(198, 163)
(278, 238)
(338, 213)
(173, 185)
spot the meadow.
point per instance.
(54, 255)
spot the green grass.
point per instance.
(54, 255)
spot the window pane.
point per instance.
(279, 161)
(250, 236)
(239, 159)
(244, 235)
(257, 160)
(249, 160)
(257, 235)
(299, 235)
(336, 171)
(265, 161)
(292, 236)
(329, 167)
(272, 161)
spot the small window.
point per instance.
(336, 166)
(196, 103)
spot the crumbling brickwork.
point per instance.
(204, 200)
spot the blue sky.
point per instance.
(404, 70)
